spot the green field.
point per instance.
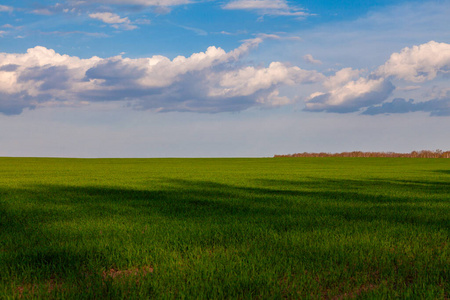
(297, 228)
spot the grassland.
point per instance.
(300, 228)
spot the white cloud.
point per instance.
(348, 91)
(247, 81)
(210, 81)
(66, 33)
(341, 78)
(4, 8)
(257, 4)
(238, 32)
(419, 63)
(109, 18)
(351, 96)
(197, 31)
(310, 59)
(39, 76)
(278, 37)
(125, 26)
(146, 2)
(53, 9)
(266, 7)
(42, 11)
(2, 33)
(409, 88)
(142, 21)
(114, 20)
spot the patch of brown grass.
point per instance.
(357, 291)
(32, 289)
(118, 274)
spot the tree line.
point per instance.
(414, 154)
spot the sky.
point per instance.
(222, 78)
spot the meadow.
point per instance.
(264, 228)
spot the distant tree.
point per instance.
(414, 154)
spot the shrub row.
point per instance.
(413, 154)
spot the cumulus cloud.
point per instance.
(351, 96)
(349, 91)
(419, 63)
(266, 7)
(211, 81)
(249, 80)
(114, 20)
(38, 76)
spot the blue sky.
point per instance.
(185, 78)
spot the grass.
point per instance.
(298, 228)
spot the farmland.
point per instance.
(243, 228)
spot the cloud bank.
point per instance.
(215, 81)
(211, 81)
(348, 91)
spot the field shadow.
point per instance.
(368, 190)
(412, 202)
(276, 205)
(446, 172)
(213, 202)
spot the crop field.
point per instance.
(264, 228)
